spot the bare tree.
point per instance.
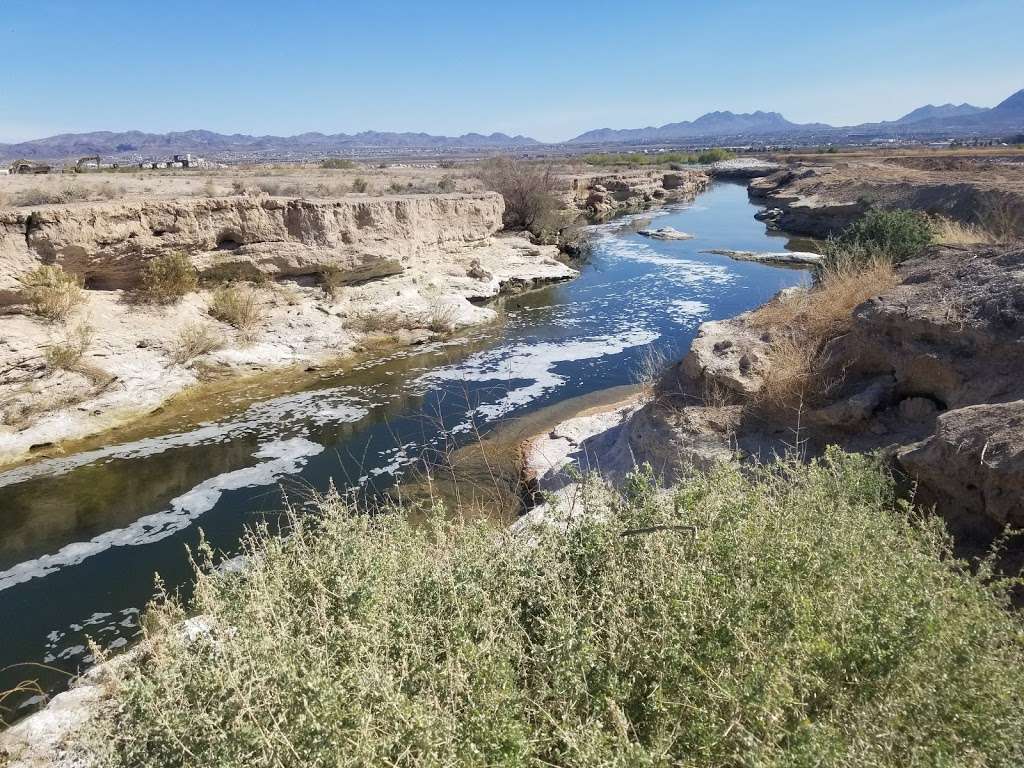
(530, 190)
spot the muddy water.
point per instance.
(82, 536)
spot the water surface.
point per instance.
(82, 536)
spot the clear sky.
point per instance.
(548, 69)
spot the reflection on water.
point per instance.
(81, 536)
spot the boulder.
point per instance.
(973, 465)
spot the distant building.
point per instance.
(187, 160)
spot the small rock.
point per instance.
(665, 233)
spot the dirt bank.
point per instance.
(327, 277)
(821, 195)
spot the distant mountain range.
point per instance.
(161, 145)
(952, 119)
(946, 120)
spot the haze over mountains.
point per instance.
(948, 120)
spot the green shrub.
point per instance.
(447, 183)
(879, 236)
(51, 292)
(714, 155)
(799, 618)
(337, 163)
(898, 233)
(359, 184)
(166, 279)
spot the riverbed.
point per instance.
(82, 536)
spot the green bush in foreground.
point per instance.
(806, 620)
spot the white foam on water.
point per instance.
(687, 312)
(283, 457)
(678, 271)
(533, 363)
(269, 419)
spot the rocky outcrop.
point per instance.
(355, 239)
(665, 233)
(601, 196)
(929, 373)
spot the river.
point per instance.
(82, 536)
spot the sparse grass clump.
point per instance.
(798, 617)
(240, 306)
(166, 279)
(195, 340)
(66, 353)
(950, 232)
(442, 318)
(382, 322)
(802, 322)
(1003, 218)
(51, 292)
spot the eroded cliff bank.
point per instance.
(600, 196)
(326, 276)
(822, 199)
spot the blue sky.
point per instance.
(546, 69)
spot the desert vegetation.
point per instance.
(720, 623)
(195, 340)
(337, 163)
(51, 292)
(657, 158)
(530, 190)
(240, 306)
(65, 353)
(857, 265)
(166, 279)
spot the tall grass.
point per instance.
(799, 617)
(801, 323)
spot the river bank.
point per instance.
(73, 525)
(402, 271)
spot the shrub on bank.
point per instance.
(657, 158)
(168, 278)
(239, 306)
(530, 190)
(899, 234)
(799, 617)
(51, 292)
